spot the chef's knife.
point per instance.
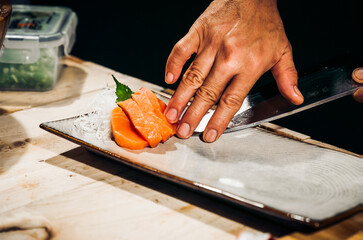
(319, 88)
(264, 106)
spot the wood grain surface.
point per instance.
(53, 189)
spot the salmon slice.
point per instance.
(152, 108)
(123, 131)
(147, 108)
(158, 107)
(143, 122)
(162, 105)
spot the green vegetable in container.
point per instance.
(36, 76)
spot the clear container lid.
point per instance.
(34, 27)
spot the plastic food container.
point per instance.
(38, 36)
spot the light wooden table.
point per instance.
(52, 188)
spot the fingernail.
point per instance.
(169, 77)
(183, 130)
(358, 73)
(171, 115)
(297, 91)
(211, 135)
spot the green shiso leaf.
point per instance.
(123, 92)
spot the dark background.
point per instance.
(136, 37)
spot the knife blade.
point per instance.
(317, 88)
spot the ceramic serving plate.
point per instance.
(253, 168)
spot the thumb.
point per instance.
(285, 75)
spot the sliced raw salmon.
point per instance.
(148, 102)
(159, 107)
(144, 123)
(162, 105)
(124, 132)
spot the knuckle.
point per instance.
(207, 94)
(256, 64)
(289, 70)
(230, 57)
(180, 48)
(292, 71)
(231, 65)
(231, 42)
(232, 101)
(193, 78)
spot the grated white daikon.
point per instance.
(95, 120)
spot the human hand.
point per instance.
(358, 77)
(235, 42)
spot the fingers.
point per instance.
(230, 102)
(190, 83)
(358, 77)
(285, 75)
(181, 52)
(206, 96)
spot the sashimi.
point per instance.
(158, 106)
(150, 105)
(124, 132)
(145, 112)
(144, 123)
(162, 105)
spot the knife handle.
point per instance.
(358, 77)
